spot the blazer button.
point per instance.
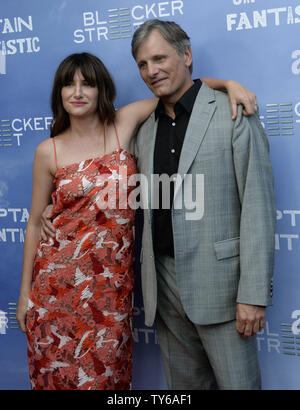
(271, 287)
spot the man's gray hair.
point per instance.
(170, 30)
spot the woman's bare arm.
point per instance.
(41, 193)
(237, 94)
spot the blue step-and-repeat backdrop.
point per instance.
(256, 42)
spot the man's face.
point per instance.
(164, 71)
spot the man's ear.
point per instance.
(188, 57)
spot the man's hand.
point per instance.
(249, 319)
(238, 94)
(47, 229)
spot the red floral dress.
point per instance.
(80, 307)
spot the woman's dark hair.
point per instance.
(96, 74)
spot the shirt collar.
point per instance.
(186, 101)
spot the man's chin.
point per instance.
(159, 91)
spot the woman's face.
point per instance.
(79, 98)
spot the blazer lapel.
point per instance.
(148, 158)
(203, 110)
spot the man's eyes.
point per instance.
(156, 59)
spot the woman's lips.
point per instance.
(78, 103)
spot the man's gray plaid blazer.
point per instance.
(227, 256)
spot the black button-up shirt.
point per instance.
(169, 140)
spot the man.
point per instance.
(196, 262)
(206, 282)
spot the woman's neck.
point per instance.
(81, 127)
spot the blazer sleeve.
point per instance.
(254, 177)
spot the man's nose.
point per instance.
(152, 70)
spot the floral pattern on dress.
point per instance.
(80, 307)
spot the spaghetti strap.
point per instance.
(55, 156)
(117, 135)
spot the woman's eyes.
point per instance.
(87, 84)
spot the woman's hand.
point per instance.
(47, 228)
(21, 312)
(238, 94)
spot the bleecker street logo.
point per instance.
(286, 341)
(8, 319)
(281, 118)
(291, 335)
(13, 131)
(5, 133)
(3, 322)
(120, 23)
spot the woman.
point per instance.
(76, 292)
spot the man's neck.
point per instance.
(169, 102)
